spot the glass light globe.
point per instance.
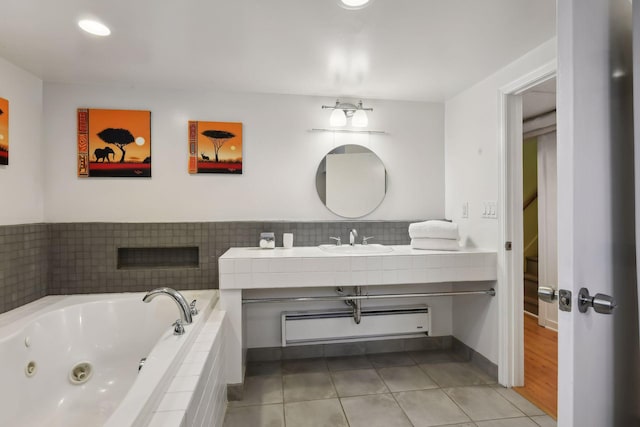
(354, 4)
(360, 119)
(338, 118)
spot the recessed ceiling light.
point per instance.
(94, 27)
(353, 4)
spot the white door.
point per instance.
(598, 353)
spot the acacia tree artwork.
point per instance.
(114, 143)
(215, 147)
(4, 131)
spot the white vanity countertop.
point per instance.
(315, 252)
(255, 268)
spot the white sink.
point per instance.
(372, 248)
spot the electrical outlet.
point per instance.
(490, 209)
(465, 210)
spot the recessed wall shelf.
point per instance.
(151, 258)
(375, 132)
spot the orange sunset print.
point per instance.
(114, 143)
(215, 147)
(4, 131)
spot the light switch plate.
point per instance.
(490, 209)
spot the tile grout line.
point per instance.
(284, 413)
(329, 373)
(456, 403)
(514, 405)
(388, 388)
(492, 419)
(401, 408)
(338, 396)
(526, 415)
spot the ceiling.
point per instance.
(425, 50)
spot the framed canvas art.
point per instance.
(215, 147)
(4, 131)
(114, 143)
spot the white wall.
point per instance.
(472, 174)
(280, 158)
(21, 182)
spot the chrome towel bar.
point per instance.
(490, 292)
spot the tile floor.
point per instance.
(418, 389)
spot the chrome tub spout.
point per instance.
(181, 302)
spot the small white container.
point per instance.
(267, 240)
(287, 240)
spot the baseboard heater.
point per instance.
(324, 326)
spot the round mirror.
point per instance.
(351, 181)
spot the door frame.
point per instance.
(511, 294)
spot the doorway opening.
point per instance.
(539, 245)
(511, 366)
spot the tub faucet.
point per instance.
(181, 302)
(352, 236)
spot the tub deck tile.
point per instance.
(178, 401)
(168, 419)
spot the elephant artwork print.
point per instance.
(215, 147)
(4, 131)
(114, 143)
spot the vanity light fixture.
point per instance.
(94, 27)
(337, 118)
(360, 119)
(353, 4)
(344, 110)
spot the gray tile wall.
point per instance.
(70, 258)
(23, 264)
(467, 353)
(84, 257)
(358, 348)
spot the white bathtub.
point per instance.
(41, 342)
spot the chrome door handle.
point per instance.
(547, 294)
(601, 303)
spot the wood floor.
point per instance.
(540, 366)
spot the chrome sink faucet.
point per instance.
(352, 236)
(181, 302)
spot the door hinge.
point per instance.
(507, 246)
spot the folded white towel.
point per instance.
(435, 244)
(434, 229)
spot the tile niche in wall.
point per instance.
(70, 258)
